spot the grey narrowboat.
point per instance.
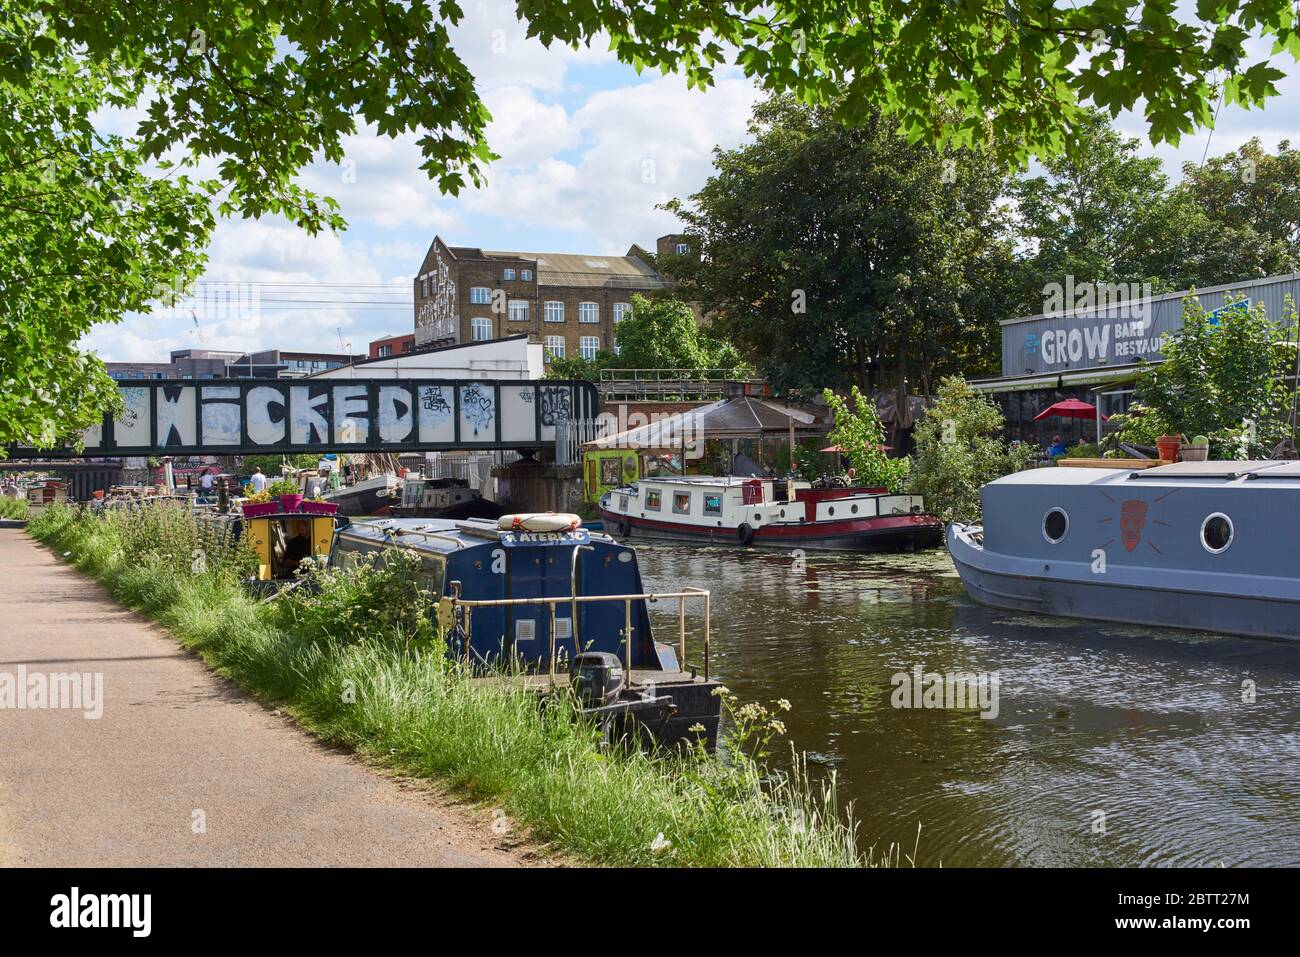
(1197, 545)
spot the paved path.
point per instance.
(175, 739)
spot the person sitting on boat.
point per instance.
(296, 548)
(1056, 449)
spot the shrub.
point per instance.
(860, 434)
(959, 449)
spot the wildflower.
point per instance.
(783, 704)
(696, 728)
(777, 726)
(721, 691)
(660, 844)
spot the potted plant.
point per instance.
(1167, 446)
(259, 503)
(288, 493)
(318, 506)
(1197, 450)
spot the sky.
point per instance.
(588, 150)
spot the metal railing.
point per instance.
(572, 434)
(689, 592)
(685, 384)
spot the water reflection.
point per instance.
(1146, 726)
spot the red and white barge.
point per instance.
(774, 513)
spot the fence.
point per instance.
(634, 385)
(572, 434)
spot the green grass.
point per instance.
(402, 705)
(12, 507)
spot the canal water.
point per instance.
(1111, 745)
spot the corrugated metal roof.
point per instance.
(580, 269)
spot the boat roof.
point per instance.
(449, 535)
(1268, 472)
(724, 480)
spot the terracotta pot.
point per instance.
(1168, 446)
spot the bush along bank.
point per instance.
(358, 663)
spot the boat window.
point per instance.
(653, 498)
(713, 505)
(622, 503)
(1216, 533)
(682, 503)
(1055, 524)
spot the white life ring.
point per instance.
(540, 522)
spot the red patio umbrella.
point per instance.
(1070, 409)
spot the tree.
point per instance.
(663, 333)
(85, 236)
(827, 253)
(1245, 210)
(959, 449)
(1011, 74)
(1100, 213)
(1222, 377)
(860, 434)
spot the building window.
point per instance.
(424, 287)
(480, 295)
(554, 347)
(507, 274)
(589, 312)
(554, 312)
(518, 310)
(622, 310)
(385, 351)
(588, 346)
(480, 329)
(683, 249)
(526, 275)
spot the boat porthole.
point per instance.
(1055, 524)
(854, 510)
(1216, 533)
(783, 513)
(758, 517)
(830, 510)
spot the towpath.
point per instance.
(182, 768)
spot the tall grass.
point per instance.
(12, 507)
(386, 690)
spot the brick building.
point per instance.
(567, 302)
(389, 346)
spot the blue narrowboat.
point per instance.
(545, 594)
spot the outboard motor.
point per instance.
(597, 677)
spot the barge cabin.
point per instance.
(780, 513)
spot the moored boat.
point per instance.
(373, 496)
(768, 512)
(1200, 545)
(541, 593)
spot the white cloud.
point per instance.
(641, 145)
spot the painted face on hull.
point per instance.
(1132, 518)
